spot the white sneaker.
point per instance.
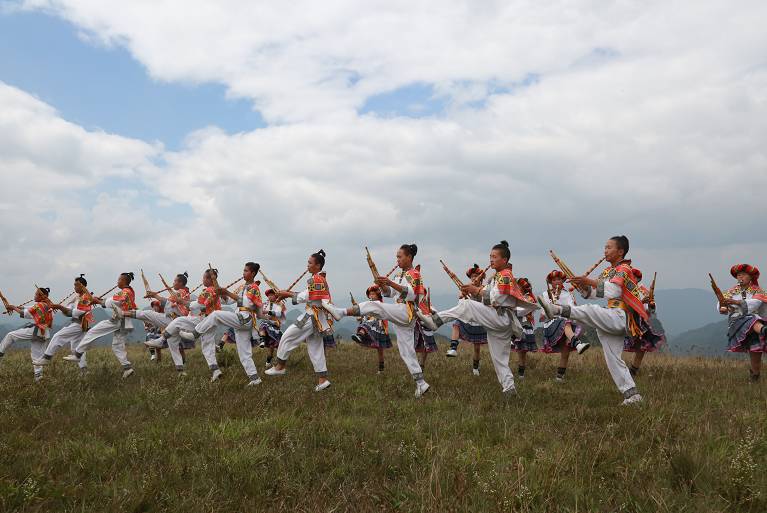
(71, 358)
(322, 386)
(475, 372)
(559, 379)
(520, 377)
(38, 377)
(426, 320)
(421, 388)
(582, 346)
(216, 374)
(152, 357)
(510, 391)
(274, 371)
(334, 311)
(268, 365)
(451, 352)
(128, 373)
(186, 335)
(155, 343)
(41, 361)
(550, 310)
(181, 374)
(254, 382)
(636, 398)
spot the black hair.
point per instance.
(623, 243)
(473, 270)
(409, 249)
(503, 248)
(254, 267)
(82, 280)
(129, 276)
(183, 277)
(44, 290)
(212, 271)
(319, 258)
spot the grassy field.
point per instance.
(160, 443)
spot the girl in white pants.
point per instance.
(79, 310)
(123, 300)
(172, 307)
(613, 323)
(407, 286)
(205, 304)
(311, 326)
(502, 302)
(38, 332)
(243, 321)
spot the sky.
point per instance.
(168, 134)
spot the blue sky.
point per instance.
(104, 87)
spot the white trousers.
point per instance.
(243, 328)
(119, 339)
(71, 334)
(396, 313)
(610, 324)
(156, 319)
(293, 337)
(189, 323)
(36, 346)
(499, 333)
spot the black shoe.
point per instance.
(357, 338)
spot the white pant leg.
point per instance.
(500, 352)
(316, 349)
(245, 352)
(83, 363)
(101, 329)
(292, 338)
(16, 336)
(65, 336)
(474, 312)
(406, 347)
(36, 350)
(174, 341)
(157, 319)
(208, 323)
(119, 339)
(394, 312)
(610, 324)
(208, 345)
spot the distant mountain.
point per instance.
(710, 340)
(686, 309)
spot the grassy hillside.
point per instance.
(160, 443)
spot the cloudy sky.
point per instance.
(168, 133)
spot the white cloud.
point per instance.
(647, 119)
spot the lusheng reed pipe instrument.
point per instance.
(652, 288)
(105, 293)
(297, 280)
(456, 280)
(371, 264)
(170, 290)
(717, 291)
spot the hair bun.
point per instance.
(185, 274)
(82, 275)
(321, 252)
(45, 290)
(505, 243)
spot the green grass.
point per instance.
(158, 443)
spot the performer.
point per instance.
(620, 318)
(313, 326)
(122, 301)
(525, 343)
(561, 335)
(80, 310)
(472, 333)
(269, 331)
(652, 336)
(152, 332)
(37, 332)
(243, 321)
(206, 303)
(410, 293)
(502, 301)
(373, 332)
(167, 309)
(424, 343)
(745, 305)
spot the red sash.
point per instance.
(127, 299)
(318, 287)
(42, 316)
